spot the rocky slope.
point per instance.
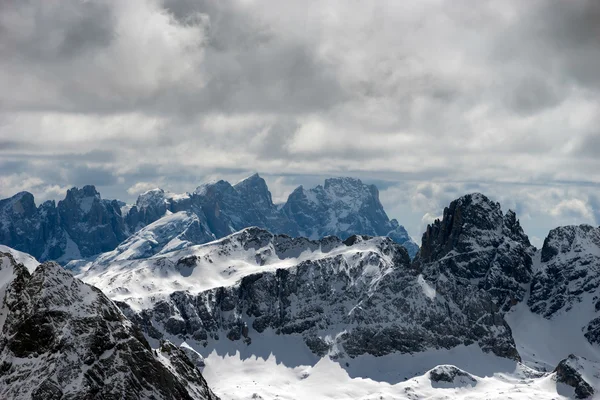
(481, 247)
(63, 339)
(84, 225)
(567, 282)
(344, 298)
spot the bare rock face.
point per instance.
(480, 246)
(570, 268)
(95, 225)
(63, 339)
(34, 230)
(569, 276)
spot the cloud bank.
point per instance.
(429, 99)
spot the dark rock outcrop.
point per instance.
(568, 372)
(451, 374)
(95, 225)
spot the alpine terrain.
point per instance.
(322, 297)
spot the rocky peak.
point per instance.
(93, 224)
(84, 198)
(254, 189)
(215, 188)
(475, 241)
(22, 204)
(569, 273)
(79, 201)
(443, 236)
(151, 198)
(27, 228)
(567, 239)
(65, 339)
(341, 186)
(343, 207)
(513, 227)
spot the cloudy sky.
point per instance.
(428, 99)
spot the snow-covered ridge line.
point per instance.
(223, 262)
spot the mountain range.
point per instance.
(287, 307)
(84, 225)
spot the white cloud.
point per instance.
(572, 208)
(12, 184)
(141, 187)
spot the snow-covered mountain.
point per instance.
(341, 207)
(63, 339)
(359, 296)
(478, 314)
(84, 225)
(332, 312)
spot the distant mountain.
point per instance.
(85, 225)
(64, 339)
(344, 207)
(81, 225)
(341, 207)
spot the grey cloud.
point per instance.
(245, 68)
(44, 32)
(590, 146)
(80, 175)
(501, 98)
(557, 37)
(533, 94)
